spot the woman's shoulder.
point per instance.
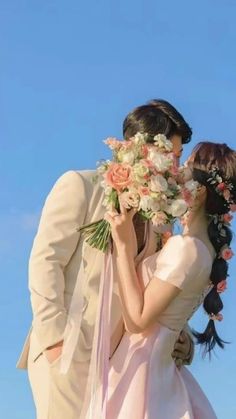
(186, 249)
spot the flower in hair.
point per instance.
(226, 194)
(218, 316)
(227, 218)
(226, 253)
(222, 187)
(221, 286)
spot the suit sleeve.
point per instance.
(55, 242)
(190, 355)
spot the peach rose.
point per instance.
(222, 286)
(227, 218)
(218, 317)
(227, 253)
(118, 176)
(113, 143)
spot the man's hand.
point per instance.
(53, 352)
(183, 350)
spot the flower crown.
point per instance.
(222, 187)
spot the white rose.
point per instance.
(161, 141)
(161, 162)
(177, 208)
(158, 184)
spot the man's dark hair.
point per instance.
(156, 117)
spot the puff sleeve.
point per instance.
(178, 261)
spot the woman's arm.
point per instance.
(141, 308)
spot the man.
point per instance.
(57, 254)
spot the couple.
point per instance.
(154, 293)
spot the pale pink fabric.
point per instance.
(143, 381)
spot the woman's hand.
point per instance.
(122, 228)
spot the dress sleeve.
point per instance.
(177, 261)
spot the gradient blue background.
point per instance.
(69, 73)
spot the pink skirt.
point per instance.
(144, 382)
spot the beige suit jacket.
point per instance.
(57, 253)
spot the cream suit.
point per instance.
(57, 253)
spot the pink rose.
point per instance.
(143, 190)
(144, 149)
(221, 186)
(227, 253)
(227, 218)
(233, 207)
(118, 176)
(222, 286)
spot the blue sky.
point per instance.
(70, 71)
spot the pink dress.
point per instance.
(144, 382)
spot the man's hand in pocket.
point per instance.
(53, 352)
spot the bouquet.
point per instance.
(144, 176)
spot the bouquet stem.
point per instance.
(98, 234)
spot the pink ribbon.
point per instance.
(97, 386)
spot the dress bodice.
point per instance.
(186, 263)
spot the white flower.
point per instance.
(126, 156)
(107, 188)
(130, 199)
(140, 139)
(192, 186)
(140, 172)
(148, 203)
(159, 218)
(101, 169)
(158, 184)
(162, 142)
(161, 162)
(177, 208)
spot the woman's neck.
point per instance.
(197, 224)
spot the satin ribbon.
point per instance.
(97, 386)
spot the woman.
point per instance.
(161, 295)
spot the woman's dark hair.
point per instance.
(156, 117)
(210, 158)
